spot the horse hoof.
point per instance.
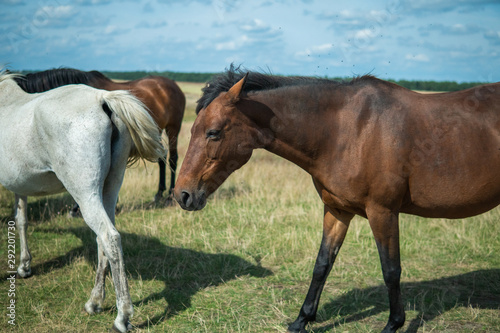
(169, 201)
(91, 308)
(24, 273)
(158, 197)
(126, 327)
(161, 201)
(114, 329)
(72, 214)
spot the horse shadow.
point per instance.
(45, 208)
(42, 209)
(478, 289)
(184, 272)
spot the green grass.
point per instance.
(243, 264)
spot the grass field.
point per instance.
(243, 264)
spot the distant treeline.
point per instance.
(177, 76)
(204, 77)
(436, 85)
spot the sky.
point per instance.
(442, 40)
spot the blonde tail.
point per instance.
(142, 128)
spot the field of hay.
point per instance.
(243, 264)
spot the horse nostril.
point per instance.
(186, 199)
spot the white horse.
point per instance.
(79, 139)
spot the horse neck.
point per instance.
(291, 126)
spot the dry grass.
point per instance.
(243, 264)
(193, 93)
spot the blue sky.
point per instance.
(400, 39)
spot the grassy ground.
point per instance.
(243, 264)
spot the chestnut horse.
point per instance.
(160, 95)
(373, 149)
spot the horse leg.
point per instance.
(385, 228)
(111, 241)
(172, 161)
(110, 198)
(75, 211)
(172, 134)
(335, 225)
(162, 186)
(21, 217)
(110, 249)
(94, 304)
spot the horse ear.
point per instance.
(234, 93)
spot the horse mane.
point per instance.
(57, 77)
(255, 82)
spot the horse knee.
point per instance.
(112, 248)
(321, 269)
(392, 277)
(174, 156)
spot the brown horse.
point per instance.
(373, 149)
(162, 97)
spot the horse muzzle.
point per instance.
(190, 200)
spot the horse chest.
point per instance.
(340, 202)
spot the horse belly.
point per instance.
(32, 184)
(458, 194)
(22, 170)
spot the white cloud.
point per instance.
(315, 50)
(233, 44)
(493, 37)
(151, 25)
(417, 57)
(59, 12)
(114, 30)
(455, 29)
(93, 2)
(425, 7)
(258, 30)
(323, 48)
(255, 26)
(364, 34)
(52, 16)
(11, 2)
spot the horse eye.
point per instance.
(213, 134)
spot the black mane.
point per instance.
(255, 82)
(53, 78)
